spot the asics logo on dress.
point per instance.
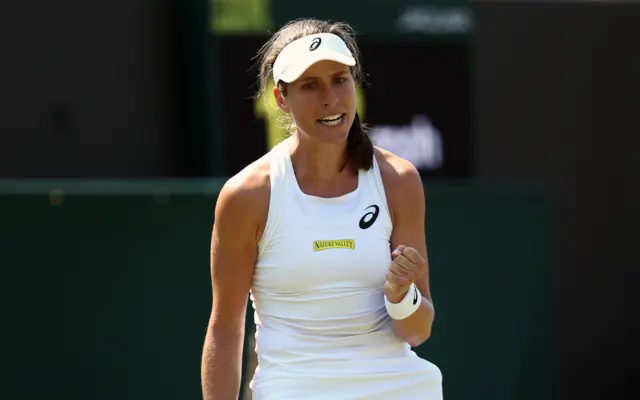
(370, 217)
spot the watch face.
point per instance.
(416, 100)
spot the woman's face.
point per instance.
(322, 102)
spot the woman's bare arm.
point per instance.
(239, 218)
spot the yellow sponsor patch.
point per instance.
(320, 245)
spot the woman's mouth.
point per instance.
(332, 121)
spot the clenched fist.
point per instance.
(407, 266)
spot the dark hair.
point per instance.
(359, 145)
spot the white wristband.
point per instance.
(407, 306)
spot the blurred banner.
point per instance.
(170, 92)
(416, 58)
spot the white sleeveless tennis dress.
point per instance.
(322, 330)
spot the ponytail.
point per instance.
(359, 146)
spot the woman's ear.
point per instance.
(280, 101)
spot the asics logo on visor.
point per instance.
(315, 44)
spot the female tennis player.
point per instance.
(326, 232)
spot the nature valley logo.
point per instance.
(320, 245)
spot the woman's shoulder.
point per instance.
(396, 172)
(402, 185)
(247, 192)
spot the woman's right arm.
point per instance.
(239, 210)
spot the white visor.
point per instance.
(302, 53)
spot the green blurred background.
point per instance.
(111, 295)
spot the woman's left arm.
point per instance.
(408, 277)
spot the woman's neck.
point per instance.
(321, 162)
